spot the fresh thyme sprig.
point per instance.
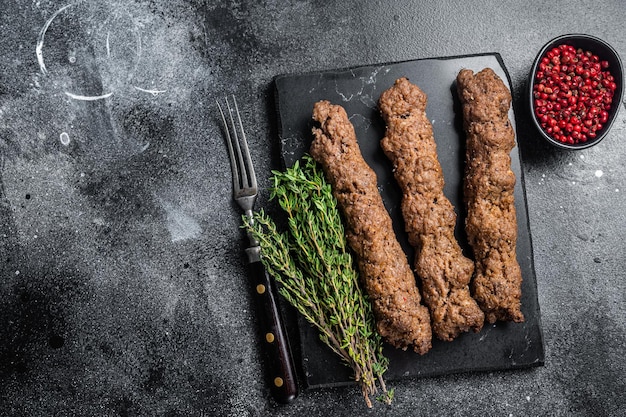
(312, 263)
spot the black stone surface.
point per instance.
(499, 346)
(123, 288)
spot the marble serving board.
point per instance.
(498, 346)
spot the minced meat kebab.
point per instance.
(429, 217)
(491, 222)
(401, 319)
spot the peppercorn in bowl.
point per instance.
(576, 88)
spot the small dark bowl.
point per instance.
(606, 53)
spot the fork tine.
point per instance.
(244, 178)
(246, 160)
(231, 153)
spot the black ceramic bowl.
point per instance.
(606, 53)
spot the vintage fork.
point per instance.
(281, 370)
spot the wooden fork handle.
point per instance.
(280, 366)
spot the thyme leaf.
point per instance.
(314, 267)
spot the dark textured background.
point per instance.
(122, 288)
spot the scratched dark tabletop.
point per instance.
(123, 290)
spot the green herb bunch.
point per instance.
(315, 270)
